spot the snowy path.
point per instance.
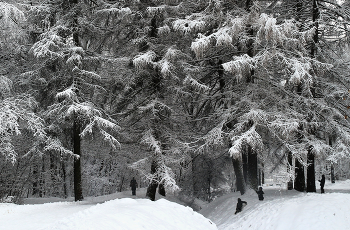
(284, 210)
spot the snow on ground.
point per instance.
(281, 210)
(284, 210)
(95, 214)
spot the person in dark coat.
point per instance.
(240, 205)
(133, 185)
(260, 194)
(322, 181)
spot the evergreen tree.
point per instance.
(71, 90)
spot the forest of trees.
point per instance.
(200, 97)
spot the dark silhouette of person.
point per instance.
(133, 185)
(240, 205)
(322, 181)
(260, 194)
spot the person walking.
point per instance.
(133, 185)
(240, 205)
(260, 194)
(322, 181)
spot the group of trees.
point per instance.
(180, 93)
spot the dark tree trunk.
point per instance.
(262, 176)
(311, 186)
(245, 166)
(238, 168)
(65, 191)
(290, 164)
(315, 17)
(252, 169)
(35, 180)
(41, 181)
(299, 183)
(161, 189)
(330, 142)
(78, 190)
(152, 187)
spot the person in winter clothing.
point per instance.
(240, 205)
(133, 185)
(260, 194)
(322, 181)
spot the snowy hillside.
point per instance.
(285, 210)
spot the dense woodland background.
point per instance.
(195, 97)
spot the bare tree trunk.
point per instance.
(152, 187)
(78, 190)
(290, 166)
(161, 189)
(330, 142)
(65, 191)
(311, 186)
(252, 169)
(299, 183)
(238, 168)
(245, 166)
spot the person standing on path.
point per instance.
(133, 185)
(322, 181)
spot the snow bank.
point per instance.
(133, 214)
(119, 214)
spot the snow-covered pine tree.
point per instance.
(71, 91)
(17, 114)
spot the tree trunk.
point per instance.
(311, 186)
(35, 180)
(252, 169)
(315, 17)
(161, 189)
(65, 191)
(330, 142)
(78, 190)
(290, 166)
(238, 168)
(299, 183)
(152, 187)
(245, 166)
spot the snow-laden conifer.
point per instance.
(187, 26)
(143, 60)
(249, 138)
(189, 81)
(240, 66)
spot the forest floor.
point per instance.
(281, 209)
